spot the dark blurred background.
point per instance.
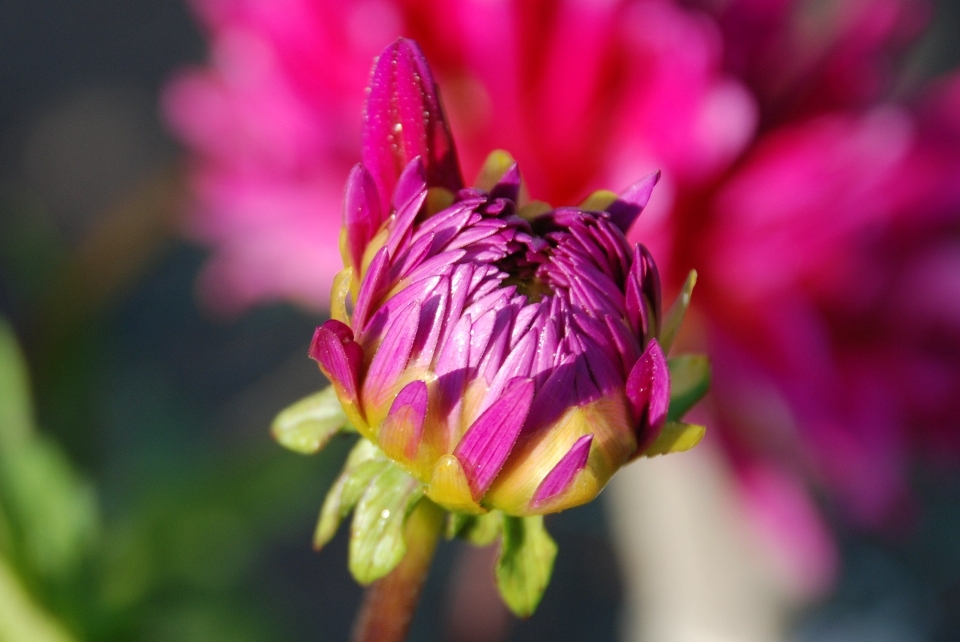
(203, 525)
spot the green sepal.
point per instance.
(689, 382)
(479, 530)
(377, 541)
(309, 424)
(673, 319)
(525, 563)
(676, 437)
(363, 463)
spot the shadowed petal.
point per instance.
(648, 389)
(559, 478)
(404, 119)
(487, 443)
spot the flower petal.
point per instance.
(648, 389)
(625, 210)
(561, 475)
(362, 214)
(402, 430)
(339, 356)
(487, 443)
(404, 119)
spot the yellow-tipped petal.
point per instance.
(338, 295)
(448, 487)
(676, 437)
(496, 165)
(599, 200)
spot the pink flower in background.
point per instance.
(823, 217)
(272, 122)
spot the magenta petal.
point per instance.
(362, 213)
(406, 416)
(374, 285)
(625, 210)
(508, 186)
(404, 119)
(411, 183)
(338, 354)
(560, 477)
(391, 357)
(648, 389)
(488, 442)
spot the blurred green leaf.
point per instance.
(21, 619)
(479, 530)
(523, 570)
(673, 319)
(676, 437)
(49, 513)
(308, 425)
(377, 541)
(689, 382)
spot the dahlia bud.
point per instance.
(506, 355)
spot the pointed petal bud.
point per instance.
(625, 210)
(404, 119)
(648, 389)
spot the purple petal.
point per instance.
(404, 119)
(488, 442)
(338, 354)
(508, 186)
(625, 210)
(561, 476)
(648, 389)
(374, 285)
(411, 183)
(362, 213)
(394, 352)
(402, 430)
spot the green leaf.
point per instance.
(48, 515)
(363, 463)
(479, 530)
(689, 382)
(525, 564)
(676, 437)
(16, 414)
(21, 619)
(674, 316)
(307, 426)
(377, 541)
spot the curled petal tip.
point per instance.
(339, 355)
(625, 210)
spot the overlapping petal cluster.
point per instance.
(504, 354)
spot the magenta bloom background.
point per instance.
(823, 215)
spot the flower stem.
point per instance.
(389, 603)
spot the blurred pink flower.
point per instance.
(824, 218)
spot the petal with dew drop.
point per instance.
(648, 389)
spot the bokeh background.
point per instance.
(142, 498)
